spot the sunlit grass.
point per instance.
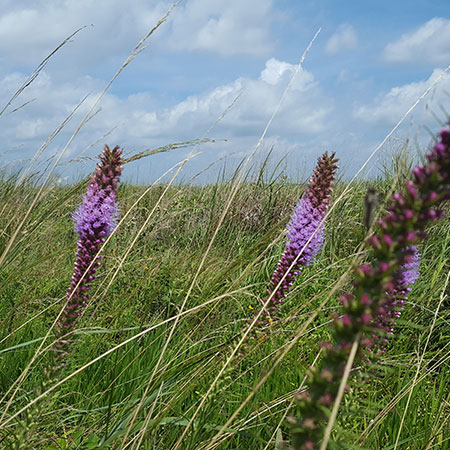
(180, 277)
(149, 289)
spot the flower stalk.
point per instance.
(305, 235)
(379, 289)
(94, 220)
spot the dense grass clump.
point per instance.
(178, 283)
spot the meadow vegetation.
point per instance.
(157, 356)
(143, 394)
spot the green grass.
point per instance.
(132, 399)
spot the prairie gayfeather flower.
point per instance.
(305, 231)
(94, 220)
(379, 288)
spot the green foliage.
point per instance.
(131, 395)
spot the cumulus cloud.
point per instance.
(30, 31)
(277, 72)
(429, 44)
(234, 27)
(304, 112)
(345, 38)
(390, 108)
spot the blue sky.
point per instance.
(370, 63)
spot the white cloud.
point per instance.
(303, 111)
(278, 71)
(29, 31)
(305, 125)
(303, 114)
(233, 27)
(345, 38)
(275, 70)
(390, 108)
(429, 44)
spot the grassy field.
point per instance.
(178, 282)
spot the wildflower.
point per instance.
(305, 236)
(305, 232)
(379, 287)
(94, 220)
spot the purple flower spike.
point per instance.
(305, 234)
(305, 221)
(305, 229)
(380, 287)
(94, 220)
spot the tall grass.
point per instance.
(98, 403)
(180, 277)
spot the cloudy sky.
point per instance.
(369, 64)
